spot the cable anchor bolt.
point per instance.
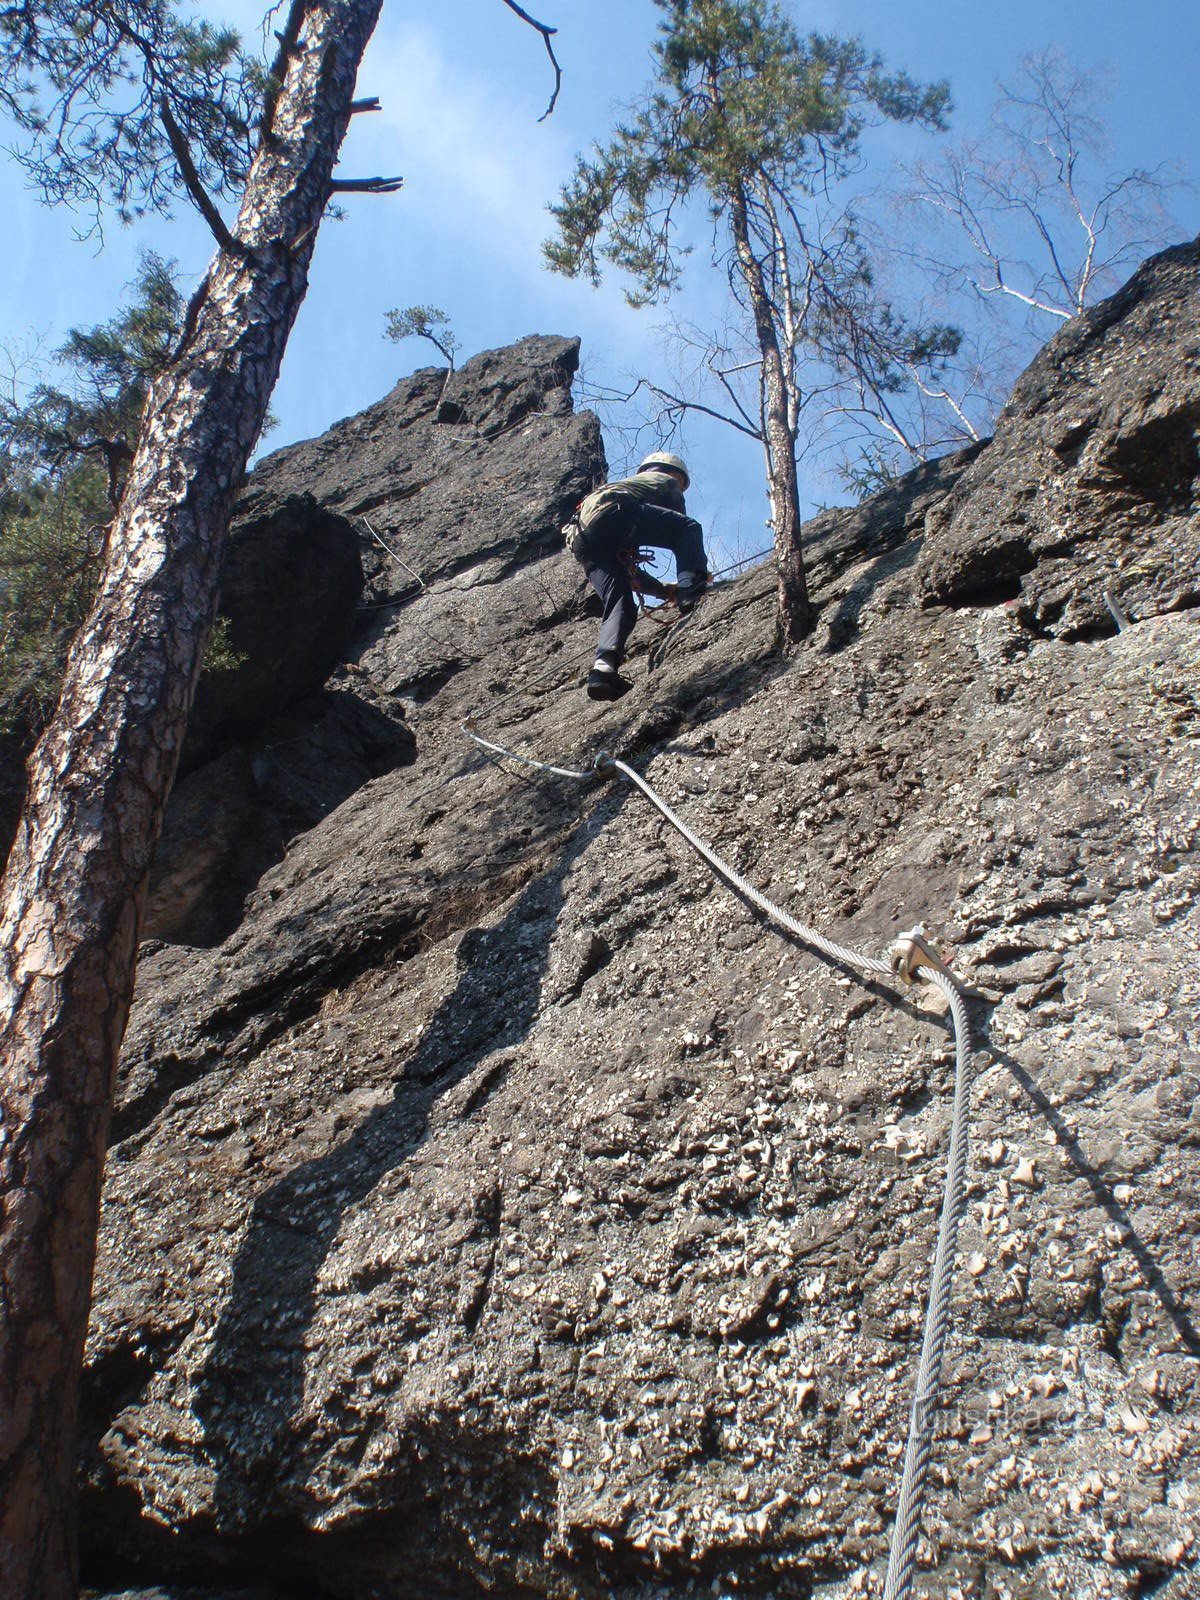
(912, 951)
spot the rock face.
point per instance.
(1093, 479)
(501, 1208)
(290, 586)
(270, 750)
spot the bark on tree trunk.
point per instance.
(795, 615)
(71, 902)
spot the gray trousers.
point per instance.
(623, 527)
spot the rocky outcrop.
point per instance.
(470, 500)
(1092, 484)
(499, 479)
(290, 586)
(501, 1208)
(269, 750)
(233, 817)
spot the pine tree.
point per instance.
(75, 885)
(126, 103)
(755, 119)
(65, 449)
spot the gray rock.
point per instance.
(494, 485)
(290, 584)
(501, 1206)
(232, 818)
(238, 1592)
(1092, 482)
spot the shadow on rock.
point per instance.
(250, 1394)
(231, 820)
(1068, 1142)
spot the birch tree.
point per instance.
(755, 120)
(1030, 215)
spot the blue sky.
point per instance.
(462, 87)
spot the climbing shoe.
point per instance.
(688, 590)
(606, 683)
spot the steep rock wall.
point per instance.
(500, 1208)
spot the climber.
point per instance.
(604, 536)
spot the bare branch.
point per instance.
(1052, 229)
(191, 181)
(678, 403)
(365, 185)
(547, 34)
(752, 428)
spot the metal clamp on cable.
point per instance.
(912, 951)
(604, 766)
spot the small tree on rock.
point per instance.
(424, 322)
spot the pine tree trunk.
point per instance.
(795, 615)
(71, 903)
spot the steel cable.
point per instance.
(810, 936)
(528, 761)
(906, 1529)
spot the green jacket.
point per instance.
(646, 488)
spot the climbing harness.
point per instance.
(910, 959)
(631, 561)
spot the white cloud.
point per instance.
(473, 161)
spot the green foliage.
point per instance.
(221, 654)
(761, 125)
(62, 455)
(740, 99)
(111, 367)
(94, 87)
(50, 550)
(422, 322)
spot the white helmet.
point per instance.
(664, 460)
